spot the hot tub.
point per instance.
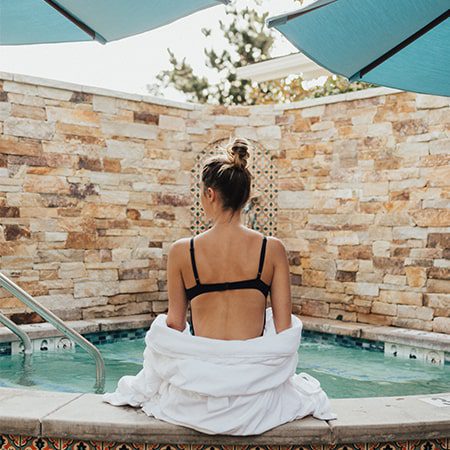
(49, 404)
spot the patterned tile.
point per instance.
(398, 445)
(39, 443)
(433, 444)
(303, 447)
(9, 442)
(104, 337)
(212, 447)
(167, 447)
(5, 348)
(342, 340)
(259, 447)
(359, 446)
(71, 444)
(123, 446)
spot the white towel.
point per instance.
(236, 387)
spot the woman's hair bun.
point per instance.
(238, 153)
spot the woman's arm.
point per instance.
(280, 291)
(176, 315)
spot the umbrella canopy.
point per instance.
(49, 21)
(403, 44)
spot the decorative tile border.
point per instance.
(344, 341)
(107, 337)
(351, 342)
(5, 348)
(97, 338)
(10, 442)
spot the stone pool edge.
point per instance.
(84, 417)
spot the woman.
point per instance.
(252, 264)
(233, 370)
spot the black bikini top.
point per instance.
(255, 283)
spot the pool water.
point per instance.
(342, 371)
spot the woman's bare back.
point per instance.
(234, 313)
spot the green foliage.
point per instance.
(337, 84)
(249, 41)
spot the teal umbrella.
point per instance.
(403, 44)
(49, 21)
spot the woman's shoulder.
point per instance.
(182, 243)
(179, 246)
(188, 239)
(276, 247)
(276, 242)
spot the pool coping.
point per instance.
(405, 336)
(86, 417)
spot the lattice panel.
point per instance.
(260, 211)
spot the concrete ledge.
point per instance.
(86, 417)
(43, 330)
(89, 418)
(22, 410)
(345, 97)
(125, 323)
(424, 339)
(353, 329)
(389, 419)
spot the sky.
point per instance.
(130, 64)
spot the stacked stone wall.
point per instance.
(364, 209)
(95, 186)
(93, 189)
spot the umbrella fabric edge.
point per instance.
(286, 16)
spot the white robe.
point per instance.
(236, 387)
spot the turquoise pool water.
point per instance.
(343, 371)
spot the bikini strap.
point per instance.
(261, 258)
(194, 266)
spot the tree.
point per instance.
(249, 41)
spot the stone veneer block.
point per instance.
(22, 410)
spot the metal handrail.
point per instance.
(50, 317)
(27, 347)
